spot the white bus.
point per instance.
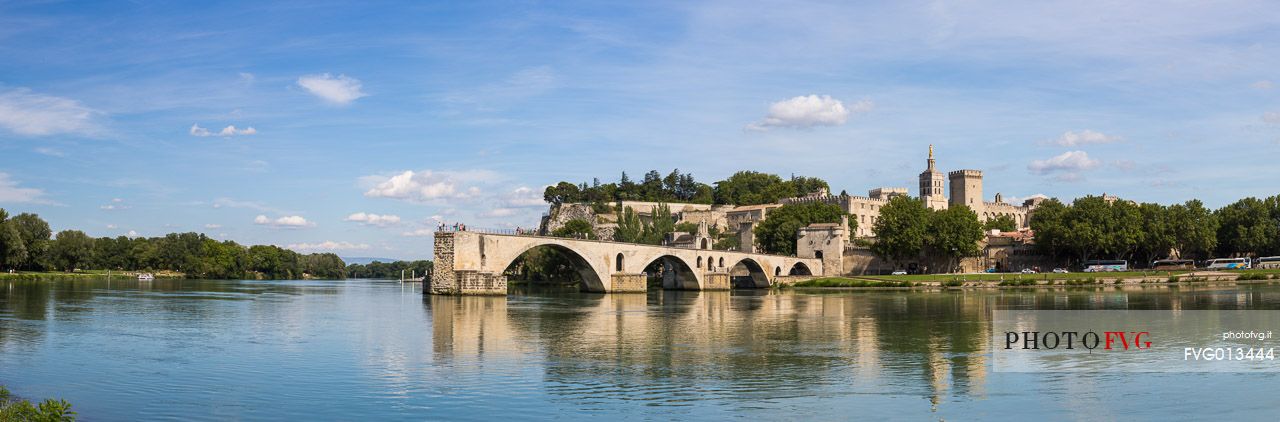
(1229, 264)
(1272, 262)
(1106, 266)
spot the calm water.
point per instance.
(369, 350)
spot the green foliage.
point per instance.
(544, 264)
(35, 234)
(1195, 229)
(390, 270)
(629, 228)
(71, 249)
(1003, 223)
(953, 233)
(727, 243)
(13, 252)
(754, 188)
(952, 283)
(777, 234)
(1092, 228)
(901, 229)
(1017, 282)
(50, 410)
(674, 187)
(1249, 226)
(659, 225)
(576, 228)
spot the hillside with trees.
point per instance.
(742, 188)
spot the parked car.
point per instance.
(1028, 271)
(1060, 271)
(899, 272)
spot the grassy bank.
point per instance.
(62, 275)
(851, 282)
(13, 409)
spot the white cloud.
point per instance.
(339, 90)
(26, 113)
(497, 212)
(131, 234)
(1262, 85)
(230, 130)
(113, 207)
(419, 233)
(232, 203)
(212, 226)
(11, 193)
(422, 186)
(1068, 163)
(50, 152)
(111, 226)
(809, 111)
(523, 197)
(286, 222)
(1271, 117)
(371, 219)
(1084, 137)
(328, 245)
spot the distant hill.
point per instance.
(366, 260)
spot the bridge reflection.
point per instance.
(671, 346)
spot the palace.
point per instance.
(965, 189)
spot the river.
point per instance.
(377, 350)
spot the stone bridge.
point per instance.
(474, 263)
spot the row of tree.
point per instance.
(1096, 228)
(378, 269)
(743, 188)
(27, 243)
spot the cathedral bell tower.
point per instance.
(931, 185)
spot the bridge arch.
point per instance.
(800, 269)
(674, 272)
(590, 279)
(748, 274)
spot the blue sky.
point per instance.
(350, 127)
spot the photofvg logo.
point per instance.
(1134, 341)
(1071, 340)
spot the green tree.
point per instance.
(752, 188)
(562, 193)
(1003, 223)
(1049, 223)
(953, 233)
(629, 227)
(13, 253)
(1195, 229)
(1158, 237)
(901, 229)
(1247, 228)
(71, 249)
(661, 223)
(777, 234)
(575, 228)
(35, 235)
(801, 185)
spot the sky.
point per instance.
(355, 128)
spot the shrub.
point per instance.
(21, 410)
(1027, 282)
(1173, 279)
(952, 283)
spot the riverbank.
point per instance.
(1038, 280)
(85, 274)
(16, 409)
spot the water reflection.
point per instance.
(287, 350)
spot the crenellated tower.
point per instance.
(966, 188)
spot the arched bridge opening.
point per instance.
(748, 274)
(555, 265)
(671, 272)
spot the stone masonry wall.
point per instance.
(715, 281)
(628, 283)
(481, 283)
(443, 280)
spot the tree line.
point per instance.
(743, 188)
(1095, 228)
(28, 244)
(378, 269)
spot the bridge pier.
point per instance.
(628, 283)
